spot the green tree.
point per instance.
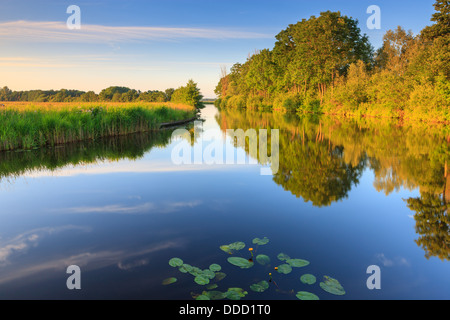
(61, 96)
(262, 73)
(108, 93)
(442, 21)
(319, 49)
(393, 54)
(169, 92)
(89, 96)
(5, 94)
(189, 94)
(129, 96)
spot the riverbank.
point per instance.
(35, 125)
(404, 117)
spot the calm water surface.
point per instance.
(347, 195)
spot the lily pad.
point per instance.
(215, 267)
(201, 280)
(207, 273)
(240, 262)
(212, 286)
(237, 245)
(185, 268)
(169, 281)
(220, 276)
(195, 271)
(215, 295)
(202, 297)
(308, 279)
(260, 286)
(236, 293)
(285, 269)
(230, 248)
(175, 262)
(232, 295)
(283, 257)
(262, 259)
(332, 286)
(261, 242)
(303, 295)
(297, 263)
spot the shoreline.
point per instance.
(399, 117)
(30, 127)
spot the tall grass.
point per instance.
(28, 126)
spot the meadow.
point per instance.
(31, 125)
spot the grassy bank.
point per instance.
(34, 125)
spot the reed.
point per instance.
(29, 126)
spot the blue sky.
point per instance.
(154, 45)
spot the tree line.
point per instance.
(325, 64)
(189, 94)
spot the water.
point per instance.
(121, 209)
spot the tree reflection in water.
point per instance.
(321, 158)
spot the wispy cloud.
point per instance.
(134, 264)
(397, 261)
(88, 260)
(177, 206)
(51, 31)
(126, 166)
(115, 208)
(145, 208)
(22, 242)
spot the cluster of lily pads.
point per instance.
(209, 277)
(201, 277)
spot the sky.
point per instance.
(155, 45)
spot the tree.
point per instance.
(108, 93)
(129, 96)
(441, 18)
(89, 96)
(319, 49)
(169, 92)
(61, 96)
(262, 73)
(189, 94)
(393, 55)
(5, 94)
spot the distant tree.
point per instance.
(5, 94)
(108, 93)
(89, 96)
(129, 96)
(169, 92)
(61, 96)
(189, 94)
(117, 97)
